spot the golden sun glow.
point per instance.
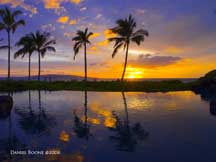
(134, 73)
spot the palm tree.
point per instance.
(82, 39)
(126, 34)
(9, 23)
(42, 44)
(27, 47)
(3, 47)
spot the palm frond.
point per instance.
(117, 40)
(49, 43)
(115, 51)
(81, 38)
(42, 42)
(76, 48)
(2, 26)
(3, 47)
(125, 34)
(141, 32)
(27, 46)
(139, 36)
(138, 39)
(89, 35)
(47, 48)
(16, 13)
(19, 53)
(2, 12)
(77, 38)
(17, 24)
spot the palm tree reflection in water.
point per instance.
(127, 136)
(35, 123)
(11, 142)
(81, 127)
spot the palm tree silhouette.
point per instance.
(126, 34)
(82, 39)
(127, 136)
(42, 44)
(9, 23)
(27, 48)
(82, 128)
(3, 46)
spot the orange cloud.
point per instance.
(93, 48)
(63, 19)
(21, 3)
(76, 1)
(103, 43)
(94, 35)
(56, 4)
(72, 22)
(174, 50)
(107, 34)
(50, 4)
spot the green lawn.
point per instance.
(139, 86)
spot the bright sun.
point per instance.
(131, 76)
(133, 73)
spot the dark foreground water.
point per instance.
(109, 127)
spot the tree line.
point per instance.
(42, 42)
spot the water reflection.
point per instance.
(81, 127)
(210, 96)
(35, 122)
(10, 141)
(127, 136)
(42, 121)
(6, 104)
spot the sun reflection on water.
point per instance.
(64, 136)
(109, 120)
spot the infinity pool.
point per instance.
(73, 126)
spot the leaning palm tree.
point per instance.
(126, 34)
(82, 39)
(42, 44)
(27, 48)
(9, 23)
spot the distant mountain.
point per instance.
(57, 77)
(51, 77)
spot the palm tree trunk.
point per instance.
(86, 112)
(29, 98)
(39, 66)
(29, 78)
(85, 57)
(85, 105)
(125, 64)
(126, 108)
(39, 100)
(9, 44)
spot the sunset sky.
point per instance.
(182, 42)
